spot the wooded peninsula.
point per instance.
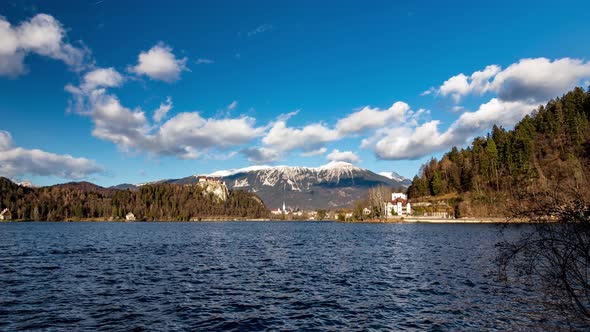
(548, 150)
(161, 202)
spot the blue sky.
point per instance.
(80, 82)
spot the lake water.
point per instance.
(257, 276)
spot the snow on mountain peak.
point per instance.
(393, 175)
(27, 184)
(333, 166)
(338, 164)
(229, 172)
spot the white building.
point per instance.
(395, 196)
(398, 206)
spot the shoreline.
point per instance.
(462, 220)
(430, 220)
(412, 220)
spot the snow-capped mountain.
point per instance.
(396, 177)
(337, 184)
(27, 184)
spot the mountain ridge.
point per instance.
(334, 185)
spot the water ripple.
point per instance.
(258, 276)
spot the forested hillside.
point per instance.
(548, 149)
(83, 200)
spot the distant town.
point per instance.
(396, 208)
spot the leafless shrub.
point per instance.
(555, 254)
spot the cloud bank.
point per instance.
(185, 135)
(392, 133)
(518, 90)
(531, 80)
(16, 161)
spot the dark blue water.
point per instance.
(257, 276)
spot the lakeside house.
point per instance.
(398, 206)
(130, 217)
(5, 214)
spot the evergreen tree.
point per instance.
(436, 184)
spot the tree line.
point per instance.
(547, 148)
(85, 201)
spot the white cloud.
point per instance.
(102, 77)
(91, 82)
(164, 108)
(186, 135)
(539, 79)
(528, 80)
(348, 156)
(9, 42)
(190, 132)
(496, 111)
(159, 63)
(113, 122)
(408, 142)
(456, 86)
(308, 138)
(43, 35)
(261, 155)
(461, 85)
(232, 106)
(480, 80)
(371, 118)
(16, 161)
